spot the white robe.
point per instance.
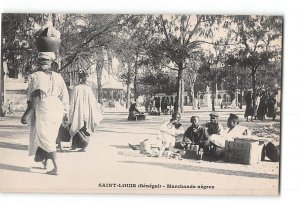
(84, 108)
(237, 131)
(170, 134)
(47, 112)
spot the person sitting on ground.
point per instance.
(171, 132)
(195, 134)
(134, 113)
(213, 126)
(11, 108)
(233, 130)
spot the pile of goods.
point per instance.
(269, 131)
(272, 135)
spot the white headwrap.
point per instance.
(46, 55)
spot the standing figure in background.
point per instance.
(164, 106)
(151, 103)
(271, 106)
(157, 104)
(262, 107)
(257, 101)
(84, 111)
(147, 105)
(249, 106)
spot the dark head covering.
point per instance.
(193, 118)
(132, 107)
(233, 116)
(176, 124)
(82, 76)
(213, 114)
(175, 114)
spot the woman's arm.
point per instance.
(26, 113)
(30, 95)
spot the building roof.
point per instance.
(113, 84)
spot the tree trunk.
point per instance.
(213, 94)
(182, 95)
(55, 25)
(1, 86)
(128, 88)
(241, 102)
(135, 78)
(99, 68)
(253, 75)
(178, 103)
(193, 96)
(128, 96)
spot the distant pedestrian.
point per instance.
(262, 107)
(249, 106)
(157, 103)
(164, 106)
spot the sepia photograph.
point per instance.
(150, 104)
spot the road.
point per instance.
(110, 166)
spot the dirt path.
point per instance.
(109, 160)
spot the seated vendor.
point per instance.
(135, 114)
(195, 134)
(171, 132)
(233, 130)
(213, 126)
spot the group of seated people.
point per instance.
(210, 137)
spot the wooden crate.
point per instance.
(243, 151)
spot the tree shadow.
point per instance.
(13, 146)
(134, 133)
(14, 168)
(120, 146)
(207, 169)
(14, 127)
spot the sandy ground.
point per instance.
(110, 166)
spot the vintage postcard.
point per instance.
(141, 104)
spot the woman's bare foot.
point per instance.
(52, 172)
(60, 148)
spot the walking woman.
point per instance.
(249, 106)
(48, 101)
(84, 111)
